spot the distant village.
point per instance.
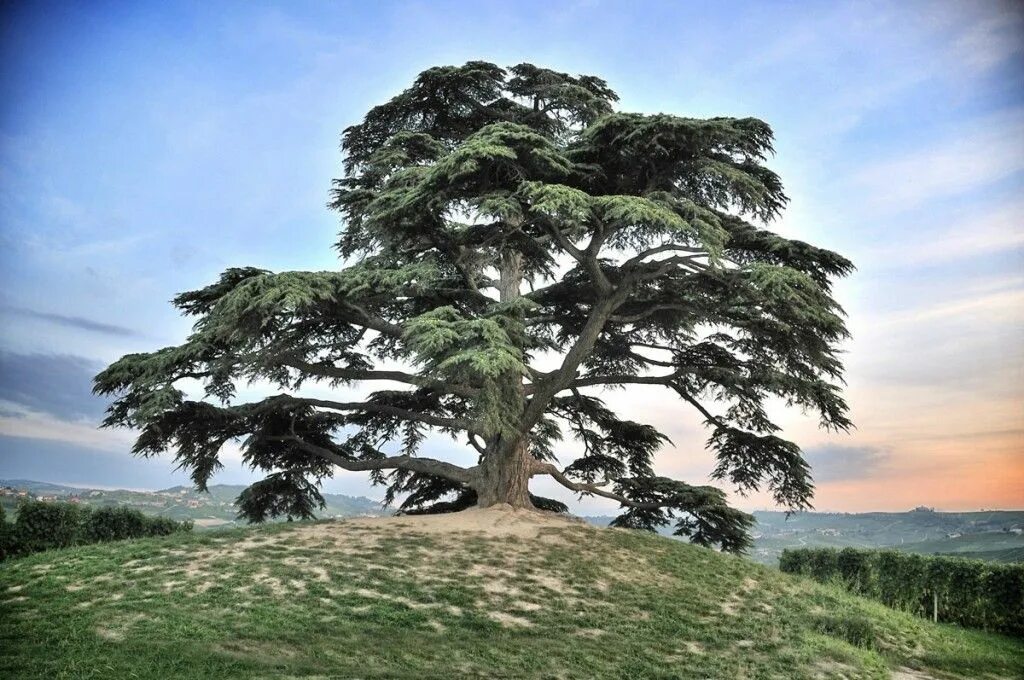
(207, 510)
(161, 498)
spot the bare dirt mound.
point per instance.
(495, 521)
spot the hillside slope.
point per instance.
(477, 594)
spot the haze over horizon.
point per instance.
(144, 148)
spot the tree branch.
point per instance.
(640, 316)
(428, 466)
(640, 257)
(372, 322)
(557, 381)
(667, 265)
(697, 405)
(330, 371)
(591, 488)
(586, 258)
(625, 378)
(385, 409)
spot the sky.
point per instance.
(147, 146)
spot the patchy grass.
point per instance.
(347, 599)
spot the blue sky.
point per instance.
(144, 147)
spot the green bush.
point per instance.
(42, 526)
(7, 544)
(113, 524)
(858, 630)
(162, 526)
(968, 592)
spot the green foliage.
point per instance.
(497, 220)
(116, 524)
(972, 593)
(7, 541)
(859, 631)
(281, 494)
(111, 524)
(703, 514)
(47, 526)
(43, 526)
(480, 352)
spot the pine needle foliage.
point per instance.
(495, 221)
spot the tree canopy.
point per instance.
(511, 246)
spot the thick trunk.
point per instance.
(504, 475)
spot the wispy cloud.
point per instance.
(21, 422)
(834, 462)
(968, 234)
(67, 321)
(969, 158)
(1006, 304)
(58, 384)
(991, 39)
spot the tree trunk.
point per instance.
(504, 475)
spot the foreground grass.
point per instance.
(348, 600)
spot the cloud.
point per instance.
(999, 306)
(72, 322)
(991, 40)
(836, 462)
(969, 158)
(27, 424)
(69, 463)
(56, 384)
(969, 235)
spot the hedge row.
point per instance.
(971, 593)
(42, 526)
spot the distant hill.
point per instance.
(39, 488)
(1004, 555)
(968, 543)
(922, 531)
(214, 508)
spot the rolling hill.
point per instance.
(213, 508)
(922, 531)
(476, 594)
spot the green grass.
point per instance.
(344, 600)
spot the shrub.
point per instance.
(112, 524)
(7, 544)
(858, 630)
(42, 526)
(968, 592)
(162, 526)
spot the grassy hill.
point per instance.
(477, 594)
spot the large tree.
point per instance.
(511, 246)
